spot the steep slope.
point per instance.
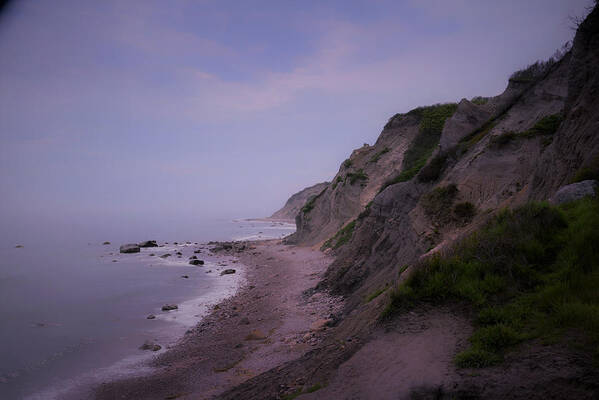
(523, 145)
(297, 201)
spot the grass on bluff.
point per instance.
(309, 205)
(375, 158)
(432, 120)
(341, 237)
(354, 177)
(530, 272)
(547, 125)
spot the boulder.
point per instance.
(129, 248)
(193, 258)
(169, 307)
(228, 271)
(151, 316)
(165, 255)
(148, 243)
(196, 262)
(148, 345)
(106, 243)
(19, 246)
(575, 191)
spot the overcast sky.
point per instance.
(225, 108)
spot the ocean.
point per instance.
(74, 311)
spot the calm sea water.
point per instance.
(73, 312)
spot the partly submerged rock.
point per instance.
(228, 271)
(151, 316)
(169, 307)
(19, 246)
(129, 248)
(148, 345)
(148, 243)
(165, 255)
(575, 191)
(196, 262)
(106, 243)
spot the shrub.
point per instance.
(359, 175)
(337, 181)
(341, 237)
(375, 294)
(309, 205)
(500, 141)
(432, 120)
(433, 170)
(347, 163)
(545, 126)
(590, 171)
(529, 272)
(464, 212)
(437, 203)
(375, 158)
(479, 100)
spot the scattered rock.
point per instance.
(196, 262)
(129, 248)
(255, 335)
(244, 321)
(151, 316)
(148, 243)
(148, 345)
(165, 255)
(19, 246)
(197, 251)
(575, 191)
(185, 276)
(114, 261)
(152, 254)
(227, 272)
(179, 253)
(193, 258)
(106, 243)
(320, 324)
(169, 307)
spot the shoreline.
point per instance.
(266, 323)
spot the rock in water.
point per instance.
(196, 262)
(228, 271)
(169, 307)
(19, 246)
(106, 243)
(148, 345)
(148, 243)
(129, 248)
(575, 191)
(151, 316)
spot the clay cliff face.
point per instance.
(413, 193)
(297, 201)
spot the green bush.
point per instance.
(347, 163)
(433, 170)
(529, 272)
(432, 120)
(359, 175)
(437, 203)
(464, 212)
(309, 205)
(341, 237)
(479, 100)
(590, 171)
(337, 181)
(547, 125)
(375, 158)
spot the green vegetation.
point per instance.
(530, 272)
(479, 100)
(464, 212)
(366, 210)
(590, 171)
(347, 163)
(433, 170)
(292, 395)
(337, 181)
(547, 125)
(375, 294)
(301, 391)
(341, 237)
(314, 388)
(437, 203)
(359, 175)
(310, 203)
(375, 158)
(432, 120)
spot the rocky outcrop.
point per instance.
(575, 191)
(297, 201)
(129, 248)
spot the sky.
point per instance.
(152, 110)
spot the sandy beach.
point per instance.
(270, 321)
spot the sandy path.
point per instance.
(268, 323)
(392, 365)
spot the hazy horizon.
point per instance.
(117, 114)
